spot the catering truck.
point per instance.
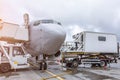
(95, 48)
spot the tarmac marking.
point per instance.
(54, 75)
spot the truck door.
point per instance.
(19, 55)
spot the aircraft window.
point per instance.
(59, 23)
(45, 22)
(17, 51)
(36, 23)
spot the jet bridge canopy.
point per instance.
(13, 32)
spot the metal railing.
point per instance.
(72, 46)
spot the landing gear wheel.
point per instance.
(43, 65)
(40, 65)
(5, 67)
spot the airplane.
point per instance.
(45, 39)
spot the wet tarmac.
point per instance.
(55, 72)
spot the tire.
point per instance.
(5, 67)
(43, 66)
(40, 66)
(74, 67)
(103, 63)
(74, 64)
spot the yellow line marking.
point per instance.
(57, 76)
(54, 75)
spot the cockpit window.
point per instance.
(46, 21)
(36, 23)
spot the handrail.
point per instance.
(6, 54)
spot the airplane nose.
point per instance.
(54, 36)
(47, 38)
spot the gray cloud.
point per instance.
(75, 15)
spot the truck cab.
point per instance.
(12, 56)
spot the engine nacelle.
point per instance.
(58, 54)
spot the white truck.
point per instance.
(94, 48)
(95, 42)
(12, 56)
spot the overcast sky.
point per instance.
(75, 15)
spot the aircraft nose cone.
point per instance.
(47, 38)
(53, 36)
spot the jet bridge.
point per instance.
(13, 32)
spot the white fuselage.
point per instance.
(46, 38)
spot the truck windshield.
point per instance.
(17, 51)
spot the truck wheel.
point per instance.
(74, 67)
(74, 64)
(103, 63)
(5, 67)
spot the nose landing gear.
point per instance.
(43, 65)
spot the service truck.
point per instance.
(95, 48)
(12, 56)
